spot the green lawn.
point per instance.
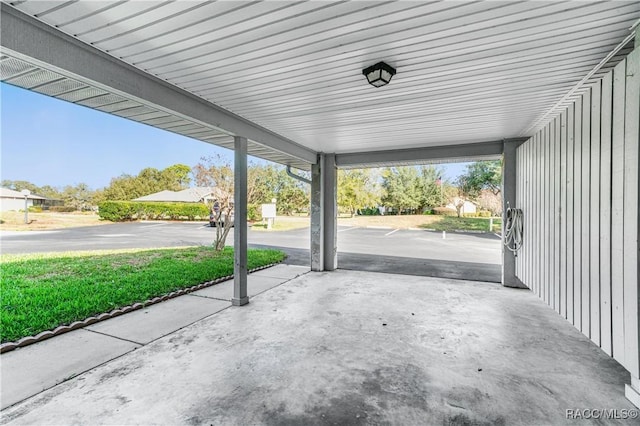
(41, 292)
(452, 223)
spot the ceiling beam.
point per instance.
(444, 153)
(33, 41)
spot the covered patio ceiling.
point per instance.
(467, 72)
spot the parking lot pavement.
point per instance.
(115, 236)
(421, 244)
(355, 243)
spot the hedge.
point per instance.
(479, 213)
(445, 211)
(62, 209)
(122, 211)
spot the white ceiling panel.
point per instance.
(466, 71)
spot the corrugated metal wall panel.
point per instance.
(631, 214)
(594, 216)
(605, 212)
(569, 218)
(580, 177)
(617, 212)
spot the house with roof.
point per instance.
(203, 194)
(14, 200)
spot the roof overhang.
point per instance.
(40, 58)
(287, 75)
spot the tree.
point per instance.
(292, 195)
(47, 191)
(431, 187)
(266, 182)
(357, 189)
(124, 187)
(148, 181)
(19, 185)
(479, 176)
(79, 196)
(491, 202)
(176, 177)
(402, 188)
(218, 173)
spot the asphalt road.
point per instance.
(419, 252)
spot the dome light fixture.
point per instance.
(379, 74)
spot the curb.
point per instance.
(28, 340)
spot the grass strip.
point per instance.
(453, 223)
(43, 291)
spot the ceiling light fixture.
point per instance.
(379, 74)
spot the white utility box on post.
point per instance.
(269, 213)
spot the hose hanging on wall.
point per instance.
(513, 230)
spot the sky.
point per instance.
(47, 141)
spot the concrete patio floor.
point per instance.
(348, 347)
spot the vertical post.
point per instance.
(240, 296)
(329, 173)
(26, 194)
(317, 213)
(509, 278)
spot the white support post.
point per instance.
(329, 173)
(240, 296)
(317, 213)
(509, 278)
(324, 214)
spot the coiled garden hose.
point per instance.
(513, 230)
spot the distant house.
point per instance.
(467, 206)
(206, 195)
(14, 200)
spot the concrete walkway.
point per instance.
(32, 369)
(340, 347)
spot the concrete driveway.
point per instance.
(415, 252)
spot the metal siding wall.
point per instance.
(594, 217)
(528, 217)
(577, 216)
(562, 214)
(605, 213)
(556, 217)
(544, 187)
(584, 209)
(617, 212)
(569, 214)
(630, 249)
(539, 213)
(580, 182)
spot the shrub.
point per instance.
(62, 209)
(254, 212)
(369, 211)
(445, 211)
(35, 209)
(122, 211)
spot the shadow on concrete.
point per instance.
(401, 265)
